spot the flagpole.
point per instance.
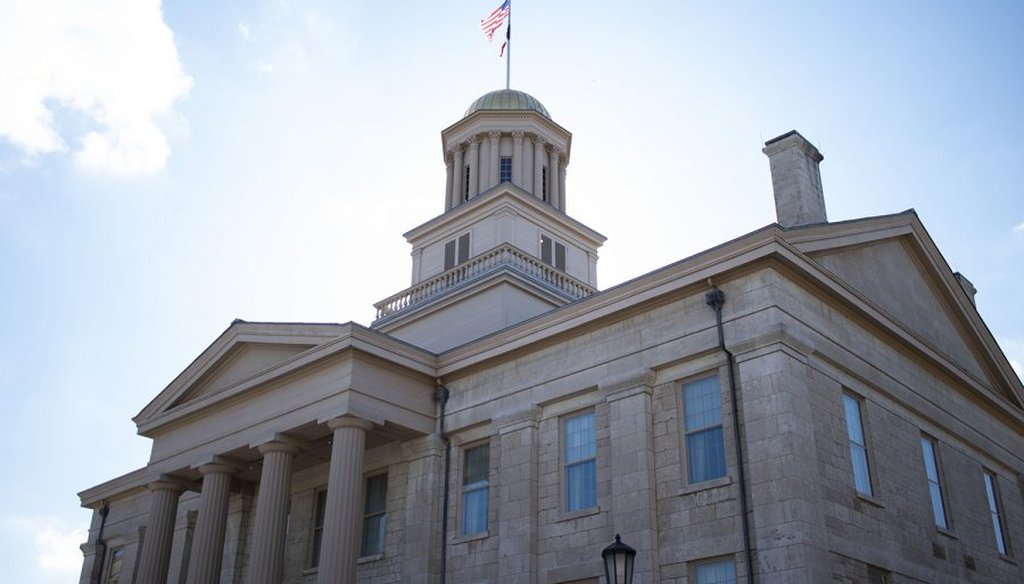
(508, 55)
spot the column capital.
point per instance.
(449, 156)
(460, 147)
(279, 443)
(218, 467)
(348, 421)
(494, 134)
(168, 483)
(550, 147)
(518, 135)
(474, 141)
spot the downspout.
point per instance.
(101, 546)
(441, 397)
(716, 299)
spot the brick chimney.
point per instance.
(796, 180)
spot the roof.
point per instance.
(506, 100)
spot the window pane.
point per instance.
(853, 426)
(318, 526)
(701, 404)
(581, 485)
(861, 476)
(476, 465)
(463, 248)
(931, 469)
(716, 573)
(705, 455)
(579, 438)
(116, 563)
(559, 256)
(376, 494)
(373, 535)
(506, 169)
(858, 451)
(474, 511)
(449, 255)
(993, 507)
(545, 249)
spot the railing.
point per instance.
(503, 256)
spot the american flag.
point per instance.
(495, 19)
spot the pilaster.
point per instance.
(518, 159)
(495, 162)
(518, 505)
(474, 167)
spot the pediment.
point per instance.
(893, 263)
(241, 352)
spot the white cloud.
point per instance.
(111, 63)
(56, 544)
(1019, 229)
(245, 30)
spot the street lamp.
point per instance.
(618, 562)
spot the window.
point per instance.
(465, 185)
(456, 251)
(115, 567)
(580, 444)
(702, 426)
(374, 515)
(476, 463)
(931, 469)
(718, 572)
(506, 169)
(992, 492)
(544, 183)
(318, 526)
(858, 447)
(552, 253)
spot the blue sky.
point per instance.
(165, 169)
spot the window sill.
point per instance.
(470, 537)
(945, 531)
(369, 559)
(705, 485)
(1008, 559)
(569, 516)
(870, 500)
(311, 571)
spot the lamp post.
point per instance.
(618, 562)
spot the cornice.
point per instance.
(125, 485)
(489, 202)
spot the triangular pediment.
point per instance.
(893, 263)
(241, 352)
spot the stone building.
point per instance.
(814, 401)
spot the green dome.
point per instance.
(507, 100)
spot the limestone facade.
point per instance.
(303, 453)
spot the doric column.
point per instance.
(343, 513)
(271, 522)
(449, 174)
(156, 548)
(517, 159)
(459, 184)
(538, 167)
(474, 167)
(553, 176)
(208, 540)
(495, 178)
(561, 183)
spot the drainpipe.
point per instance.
(716, 299)
(101, 547)
(441, 397)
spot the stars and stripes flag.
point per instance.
(495, 19)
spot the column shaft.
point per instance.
(208, 541)
(538, 168)
(271, 521)
(156, 548)
(448, 185)
(561, 186)
(517, 159)
(553, 177)
(474, 167)
(457, 187)
(343, 513)
(495, 177)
